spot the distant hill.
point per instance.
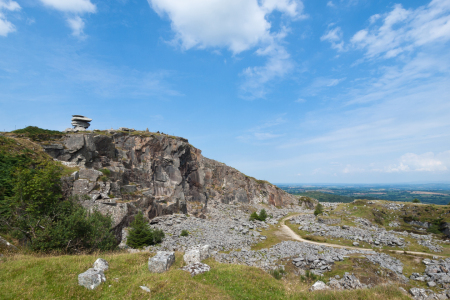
(327, 197)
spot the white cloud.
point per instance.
(330, 4)
(71, 6)
(6, 26)
(256, 78)
(77, 25)
(427, 162)
(326, 82)
(334, 36)
(300, 100)
(73, 9)
(404, 30)
(262, 132)
(237, 25)
(266, 135)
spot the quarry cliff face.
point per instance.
(156, 173)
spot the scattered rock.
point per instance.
(196, 254)
(101, 265)
(161, 262)
(7, 244)
(319, 286)
(146, 289)
(348, 282)
(91, 278)
(196, 268)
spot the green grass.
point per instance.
(272, 238)
(47, 277)
(38, 134)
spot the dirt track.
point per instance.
(288, 232)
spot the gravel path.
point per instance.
(289, 232)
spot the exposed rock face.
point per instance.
(445, 227)
(80, 122)
(154, 173)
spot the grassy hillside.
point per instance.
(33, 277)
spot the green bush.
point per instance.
(8, 165)
(184, 232)
(141, 235)
(261, 217)
(76, 230)
(416, 200)
(254, 216)
(318, 210)
(434, 229)
(36, 215)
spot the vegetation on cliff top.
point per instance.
(38, 134)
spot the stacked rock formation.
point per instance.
(80, 123)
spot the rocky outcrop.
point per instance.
(155, 173)
(445, 228)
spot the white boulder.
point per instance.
(319, 286)
(196, 254)
(101, 265)
(161, 262)
(91, 278)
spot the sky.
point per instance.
(290, 91)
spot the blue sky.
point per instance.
(341, 91)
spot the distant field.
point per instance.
(432, 193)
(428, 193)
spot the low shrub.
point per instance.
(184, 232)
(416, 200)
(141, 235)
(35, 215)
(318, 210)
(278, 273)
(261, 217)
(309, 277)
